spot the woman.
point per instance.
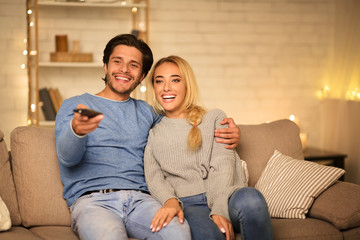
(189, 172)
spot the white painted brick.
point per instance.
(243, 52)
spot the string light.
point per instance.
(353, 94)
(143, 89)
(324, 92)
(33, 107)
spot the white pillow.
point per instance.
(5, 221)
(290, 185)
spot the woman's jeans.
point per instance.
(122, 214)
(247, 210)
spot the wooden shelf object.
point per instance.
(136, 15)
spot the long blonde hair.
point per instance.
(194, 111)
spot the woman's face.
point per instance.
(170, 90)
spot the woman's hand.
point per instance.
(225, 226)
(230, 136)
(166, 213)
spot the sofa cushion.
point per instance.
(7, 188)
(352, 234)
(17, 233)
(340, 205)
(305, 229)
(290, 185)
(258, 142)
(37, 177)
(54, 233)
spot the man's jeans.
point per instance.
(247, 210)
(119, 215)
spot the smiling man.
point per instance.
(101, 158)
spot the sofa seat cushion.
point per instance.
(18, 233)
(309, 229)
(7, 188)
(37, 177)
(352, 234)
(339, 205)
(54, 233)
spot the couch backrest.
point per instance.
(7, 188)
(258, 143)
(37, 177)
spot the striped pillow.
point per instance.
(290, 185)
(5, 221)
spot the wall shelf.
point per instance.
(123, 4)
(90, 23)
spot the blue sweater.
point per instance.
(109, 157)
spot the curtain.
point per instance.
(340, 104)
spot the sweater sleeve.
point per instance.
(69, 146)
(155, 179)
(221, 179)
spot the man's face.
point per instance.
(124, 70)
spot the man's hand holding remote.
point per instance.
(83, 124)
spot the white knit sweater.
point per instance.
(174, 171)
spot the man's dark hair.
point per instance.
(131, 41)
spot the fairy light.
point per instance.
(25, 52)
(123, 3)
(143, 89)
(324, 92)
(33, 107)
(294, 119)
(353, 95)
(134, 10)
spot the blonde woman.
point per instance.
(191, 174)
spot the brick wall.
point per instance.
(13, 79)
(257, 60)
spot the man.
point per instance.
(101, 158)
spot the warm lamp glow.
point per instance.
(324, 92)
(303, 138)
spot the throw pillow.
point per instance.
(5, 221)
(290, 185)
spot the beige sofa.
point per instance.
(32, 190)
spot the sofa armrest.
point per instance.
(339, 205)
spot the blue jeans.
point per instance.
(247, 210)
(121, 215)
